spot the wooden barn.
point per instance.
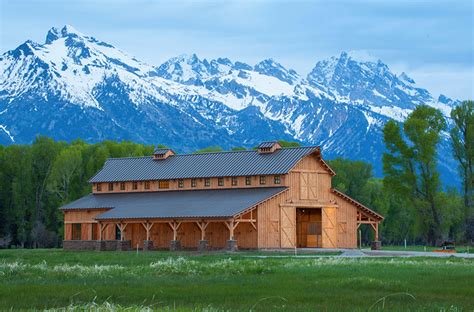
(271, 197)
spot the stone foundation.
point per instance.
(231, 245)
(203, 245)
(124, 245)
(175, 245)
(376, 245)
(79, 244)
(147, 245)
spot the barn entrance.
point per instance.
(308, 227)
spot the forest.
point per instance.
(36, 179)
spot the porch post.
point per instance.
(231, 243)
(100, 244)
(175, 244)
(148, 243)
(122, 244)
(203, 243)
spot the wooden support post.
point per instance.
(376, 231)
(174, 226)
(231, 225)
(147, 227)
(102, 227)
(122, 227)
(202, 226)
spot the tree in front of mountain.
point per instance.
(462, 136)
(411, 170)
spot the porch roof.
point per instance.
(222, 203)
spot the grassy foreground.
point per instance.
(56, 279)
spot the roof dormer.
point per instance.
(162, 153)
(268, 147)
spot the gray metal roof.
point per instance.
(218, 164)
(160, 151)
(175, 204)
(267, 144)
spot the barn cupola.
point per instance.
(268, 147)
(162, 153)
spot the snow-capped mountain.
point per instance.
(75, 86)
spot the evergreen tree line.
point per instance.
(36, 179)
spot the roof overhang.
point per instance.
(362, 207)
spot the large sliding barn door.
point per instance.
(329, 227)
(288, 227)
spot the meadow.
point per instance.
(188, 281)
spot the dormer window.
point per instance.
(268, 147)
(162, 153)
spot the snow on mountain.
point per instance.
(74, 86)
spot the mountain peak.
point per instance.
(270, 67)
(404, 77)
(69, 30)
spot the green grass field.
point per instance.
(56, 279)
(459, 249)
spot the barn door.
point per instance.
(329, 229)
(288, 227)
(308, 185)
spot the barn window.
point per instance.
(248, 181)
(220, 181)
(147, 185)
(277, 179)
(111, 186)
(263, 180)
(181, 183)
(76, 231)
(234, 181)
(99, 187)
(122, 186)
(134, 185)
(117, 232)
(207, 182)
(193, 183)
(164, 184)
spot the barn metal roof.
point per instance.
(160, 151)
(175, 204)
(217, 164)
(267, 144)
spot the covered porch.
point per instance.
(174, 234)
(199, 220)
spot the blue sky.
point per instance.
(430, 40)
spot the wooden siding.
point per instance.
(173, 185)
(268, 224)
